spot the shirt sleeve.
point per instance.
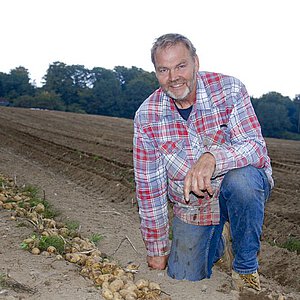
(151, 192)
(246, 144)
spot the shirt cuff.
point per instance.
(158, 248)
(221, 159)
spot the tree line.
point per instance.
(119, 92)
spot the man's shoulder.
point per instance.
(213, 78)
(218, 85)
(152, 106)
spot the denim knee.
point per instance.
(242, 182)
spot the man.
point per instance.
(198, 143)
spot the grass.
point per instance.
(73, 225)
(96, 158)
(292, 244)
(53, 240)
(33, 193)
(95, 238)
(22, 224)
(3, 279)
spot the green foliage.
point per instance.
(292, 244)
(72, 225)
(119, 93)
(95, 238)
(24, 246)
(3, 280)
(96, 158)
(33, 193)
(52, 240)
(277, 115)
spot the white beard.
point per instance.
(182, 97)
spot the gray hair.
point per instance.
(171, 39)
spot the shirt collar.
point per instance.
(202, 99)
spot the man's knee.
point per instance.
(242, 181)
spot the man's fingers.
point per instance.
(207, 185)
(187, 187)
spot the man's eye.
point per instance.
(181, 66)
(162, 71)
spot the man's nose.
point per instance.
(173, 75)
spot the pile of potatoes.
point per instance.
(116, 282)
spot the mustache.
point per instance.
(177, 81)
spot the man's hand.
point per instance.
(198, 178)
(157, 262)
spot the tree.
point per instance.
(137, 85)
(106, 90)
(17, 83)
(43, 100)
(66, 81)
(272, 110)
(297, 114)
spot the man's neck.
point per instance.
(185, 103)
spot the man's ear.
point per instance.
(197, 64)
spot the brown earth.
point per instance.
(83, 165)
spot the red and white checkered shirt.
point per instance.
(165, 146)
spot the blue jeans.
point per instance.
(196, 248)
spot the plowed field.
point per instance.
(83, 163)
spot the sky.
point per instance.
(256, 41)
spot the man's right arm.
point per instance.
(151, 193)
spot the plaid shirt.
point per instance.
(222, 122)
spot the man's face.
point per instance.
(176, 72)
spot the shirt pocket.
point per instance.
(219, 137)
(175, 158)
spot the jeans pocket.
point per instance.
(266, 184)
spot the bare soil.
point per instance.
(83, 166)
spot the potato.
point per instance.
(40, 208)
(97, 254)
(73, 257)
(116, 285)
(64, 231)
(117, 296)
(154, 286)
(35, 251)
(40, 227)
(130, 286)
(29, 241)
(17, 198)
(131, 296)
(45, 233)
(7, 205)
(141, 283)
(130, 276)
(102, 278)
(51, 249)
(127, 294)
(118, 272)
(52, 224)
(107, 294)
(20, 212)
(105, 285)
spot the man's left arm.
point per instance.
(247, 145)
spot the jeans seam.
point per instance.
(267, 186)
(208, 250)
(250, 271)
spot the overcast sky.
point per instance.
(254, 40)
